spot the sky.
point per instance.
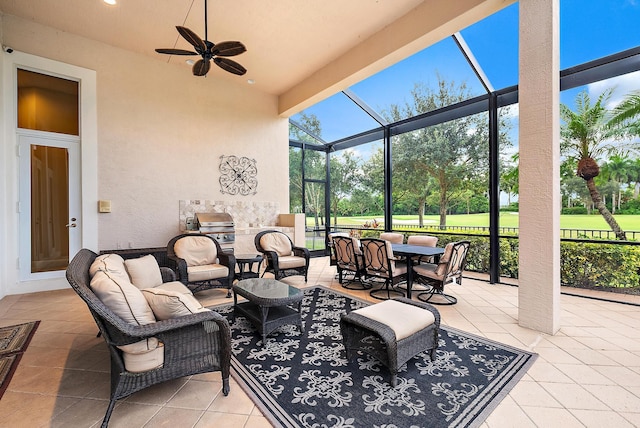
(589, 29)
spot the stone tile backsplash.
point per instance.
(245, 214)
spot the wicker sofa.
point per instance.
(196, 343)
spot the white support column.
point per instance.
(539, 198)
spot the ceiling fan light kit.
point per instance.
(218, 52)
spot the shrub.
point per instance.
(599, 265)
(574, 210)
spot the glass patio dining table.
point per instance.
(409, 251)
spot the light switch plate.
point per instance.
(104, 206)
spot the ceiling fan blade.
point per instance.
(230, 66)
(201, 67)
(228, 49)
(192, 38)
(176, 52)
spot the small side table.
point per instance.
(245, 264)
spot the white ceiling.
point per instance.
(287, 40)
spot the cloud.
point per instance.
(621, 85)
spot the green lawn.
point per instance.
(507, 219)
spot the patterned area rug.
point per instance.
(304, 380)
(14, 340)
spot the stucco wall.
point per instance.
(161, 132)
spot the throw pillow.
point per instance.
(122, 297)
(167, 304)
(144, 271)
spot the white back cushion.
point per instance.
(278, 242)
(168, 304)
(122, 297)
(196, 250)
(144, 271)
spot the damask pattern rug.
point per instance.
(14, 340)
(304, 379)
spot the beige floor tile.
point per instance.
(257, 422)
(158, 394)
(601, 419)
(126, 415)
(84, 413)
(196, 395)
(583, 374)
(620, 375)
(616, 397)
(552, 417)
(509, 416)
(527, 393)
(573, 396)
(217, 419)
(171, 417)
(541, 371)
(236, 402)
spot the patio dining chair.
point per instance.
(393, 237)
(380, 265)
(349, 263)
(448, 270)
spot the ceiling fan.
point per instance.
(209, 51)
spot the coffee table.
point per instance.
(270, 304)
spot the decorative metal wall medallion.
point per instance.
(238, 175)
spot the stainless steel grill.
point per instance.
(218, 225)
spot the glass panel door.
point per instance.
(315, 211)
(49, 205)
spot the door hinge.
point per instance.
(18, 263)
(18, 207)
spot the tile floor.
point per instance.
(588, 374)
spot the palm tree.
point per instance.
(585, 136)
(625, 115)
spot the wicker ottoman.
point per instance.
(393, 332)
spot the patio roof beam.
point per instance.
(364, 106)
(473, 62)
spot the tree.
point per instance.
(314, 167)
(509, 178)
(345, 177)
(585, 136)
(448, 154)
(626, 114)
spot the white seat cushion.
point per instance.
(289, 262)
(402, 318)
(176, 286)
(196, 250)
(206, 272)
(144, 271)
(171, 304)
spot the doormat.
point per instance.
(304, 379)
(14, 340)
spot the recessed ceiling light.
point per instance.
(251, 81)
(190, 61)
(111, 2)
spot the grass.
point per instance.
(507, 219)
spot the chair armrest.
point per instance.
(131, 333)
(168, 275)
(228, 260)
(271, 258)
(181, 268)
(301, 252)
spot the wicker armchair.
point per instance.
(197, 343)
(281, 256)
(200, 262)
